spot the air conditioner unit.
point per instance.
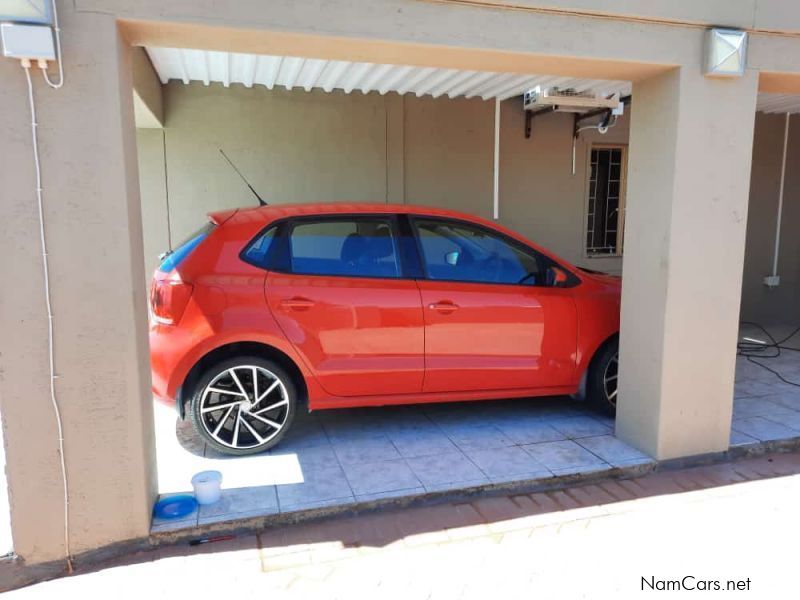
(567, 100)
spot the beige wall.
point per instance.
(311, 146)
(148, 105)
(759, 303)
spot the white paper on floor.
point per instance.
(176, 465)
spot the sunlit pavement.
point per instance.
(735, 521)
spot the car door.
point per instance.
(494, 319)
(342, 301)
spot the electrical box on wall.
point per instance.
(772, 281)
(32, 42)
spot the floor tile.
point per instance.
(411, 443)
(319, 485)
(565, 454)
(445, 468)
(378, 477)
(501, 464)
(580, 427)
(365, 449)
(529, 431)
(457, 485)
(304, 434)
(741, 439)
(752, 388)
(612, 450)
(791, 420)
(240, 503)
(478, 438)
(313, 458)
(582, 469)
(763, 429)
(307, 504)
(391, 494)
(789, 399)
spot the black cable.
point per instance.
(751, 350)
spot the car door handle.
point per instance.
(445, 306)
(297, 303)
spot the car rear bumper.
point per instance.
(167, 347)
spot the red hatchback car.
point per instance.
(368, 304)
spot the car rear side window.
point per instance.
(256, 252)
(175, 257)
(355, 247)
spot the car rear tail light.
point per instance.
(168, 300)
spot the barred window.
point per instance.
(606, 203)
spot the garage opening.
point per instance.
(767, 390)
(300, 130)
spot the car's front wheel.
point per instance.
(243, 405)
(601, 385)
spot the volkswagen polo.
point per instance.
(341, 305)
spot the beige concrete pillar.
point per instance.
(690, 149)
(93, 227)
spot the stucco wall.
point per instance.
(311, 146)
(759, 303)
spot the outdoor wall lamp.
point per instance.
(725, 53)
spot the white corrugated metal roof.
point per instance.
(778, 103)
(310, 73)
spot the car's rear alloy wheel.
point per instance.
(610, 380)
(243, 406)
(601, 384)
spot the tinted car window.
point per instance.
(455, 251)
(360, 247)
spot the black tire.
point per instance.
(244, 442)
(600, 392)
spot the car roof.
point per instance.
(278, 211)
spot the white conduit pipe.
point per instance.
(780, 199)
(496, 201)
(46, 273)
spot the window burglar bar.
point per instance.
(603, 226)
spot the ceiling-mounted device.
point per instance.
(567, 100)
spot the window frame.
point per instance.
(279, 259)
(572, 279)
(623, 193)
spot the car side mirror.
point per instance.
(451, 258)
(558, 276)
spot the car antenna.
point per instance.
(239, 173)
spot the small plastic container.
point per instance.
(207, 487)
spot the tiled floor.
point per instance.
(764, 407)
(345, 456)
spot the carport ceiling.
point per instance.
(308, 73)
(292, 72)
(778, 103)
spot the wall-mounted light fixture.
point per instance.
(725, 53)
